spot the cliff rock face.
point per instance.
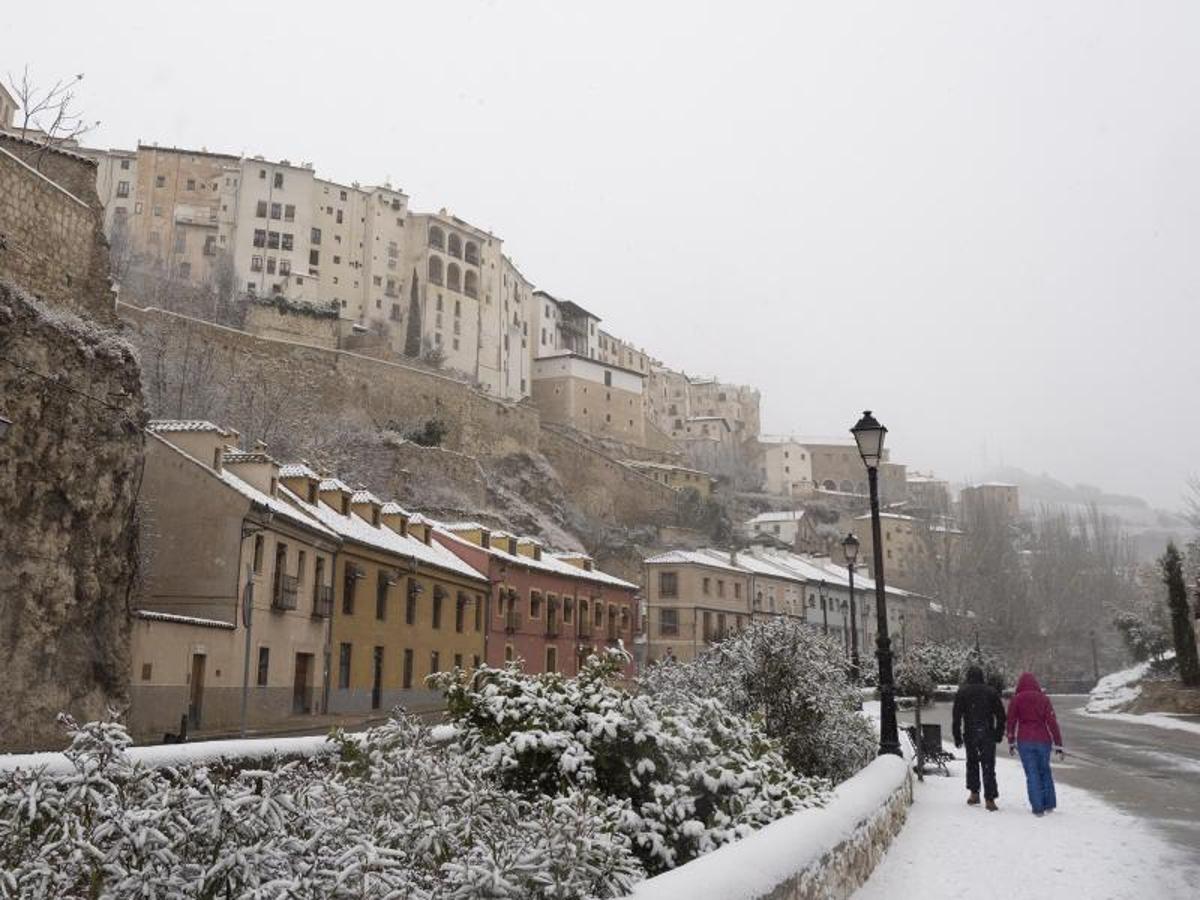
(69, 471)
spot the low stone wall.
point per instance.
(818, 853)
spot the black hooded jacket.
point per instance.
(978, 705)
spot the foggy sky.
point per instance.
(980, 223)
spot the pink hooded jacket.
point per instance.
(1031, 714)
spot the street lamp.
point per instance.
(850, 551)
(869, 434)
(824, 608)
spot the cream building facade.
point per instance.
(588, 395)
(786, 467)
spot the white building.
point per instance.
(786, 466)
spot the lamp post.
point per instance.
(824, 609)
(869, 434)
(850, 550)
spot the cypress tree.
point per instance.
(1181, 624)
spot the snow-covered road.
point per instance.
(1086, 848)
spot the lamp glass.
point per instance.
(850, 547)
(869, 434)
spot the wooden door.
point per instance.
(301, 693)
(196, 691)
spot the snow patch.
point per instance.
(1117, 690)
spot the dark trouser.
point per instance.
(981, 754)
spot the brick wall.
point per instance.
(270, 321)
(51, 239)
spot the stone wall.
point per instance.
(70, 465)
(294, 395)
(270, 320)
(811, 855)
(604, 488)
(51, 239)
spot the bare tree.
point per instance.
(48, 115)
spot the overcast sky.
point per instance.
(984, 224)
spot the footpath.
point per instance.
(1086, 848)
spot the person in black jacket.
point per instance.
(978, 722)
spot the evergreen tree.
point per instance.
(1181, 624)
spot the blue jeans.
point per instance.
(1038, 779)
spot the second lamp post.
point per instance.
(850, 550)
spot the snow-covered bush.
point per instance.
(914, 678)
(946, 663)
(682, 774)
(792, 680)
(395, 815)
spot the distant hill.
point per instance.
(1149, 528)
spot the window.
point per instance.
(568, 610)
(315, 236)
(535, 605)
(381, 591)
(264, 664)
(343, 197)
(435, 663)
(272, 240)
(124, 164)
(285, 268)
(437, 607)
(406, 683)
(607, 378)
(348, 590)
(160, 181)
(314, 257)
(460, 612)
(435, 270)
(668, 584)
(278, 179)
(122, 188)
(258, 553)
(458, 660)
(157, 212)
(289, 212)
(256, 264)
(146, 670)
(191, 184)
(737, 589)
(344, 666)
(478, 613)
(436, 238)
(668, 622)
(262, 173)
(276, 211)
(551, 659)
(707, 585)
(286, 242)
(270, 265)
(452, 277)
(454, 246)
(260, 210)
(185, 270)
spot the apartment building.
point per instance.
(8, 107)
(929, 495)
(790, 527)
(232, 569)
(586, 394)
(991, 497)
(116, 181)
(404, 607)
(786, 466)
(736, 404)
(549, 610)
(693, 599)
(617, 352)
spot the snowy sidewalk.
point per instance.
(1084, 849)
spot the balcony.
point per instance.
(285, 593)
(512, 621)
(323, 602)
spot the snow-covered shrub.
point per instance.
(914, 678)
(947, 662)
(790, 678)
(683, 774)
(395, 815)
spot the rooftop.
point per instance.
(790, 515)
(165, 426)
(550, 562)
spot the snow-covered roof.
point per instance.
(334, 484)
(807, 440)
(463, 526)
(788, 515)
(182, 620)
(549, 562)
(365, 497)
(393, 508)
(354, 528)
(992, 484)
(235, 456)
(886, 515)
(297, 470)
(165, 426)
(665, 467)
(717, 560)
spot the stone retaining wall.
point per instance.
(818, 853)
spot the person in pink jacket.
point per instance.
(1032, 727)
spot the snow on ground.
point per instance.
(1118, 689)
(182, 754)
(1085, 848)
(1158, 720)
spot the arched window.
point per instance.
(453, 280)
(454, 245)
(436, 237)
(829, 484)
(435, 269)
(470, 283)
(472, 254)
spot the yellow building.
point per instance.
(222, 551)
(678, 477)
(404, 606)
